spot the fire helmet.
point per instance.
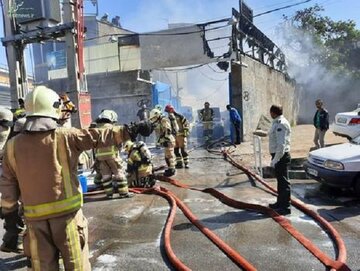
(6, 117)
(109, 115)
(155, 114)
(43, 102)
(128, 146)
(169, 108)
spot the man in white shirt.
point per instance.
(279, 147)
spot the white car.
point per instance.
(347, 124)
(337, 166)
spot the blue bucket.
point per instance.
(83, 182)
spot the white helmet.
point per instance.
(155, 114)
(6, 117)
(109, 115)
(43, 102)
(128, 146)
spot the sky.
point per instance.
(150, 15)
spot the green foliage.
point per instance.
(334, 40)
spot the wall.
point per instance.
(256, 87)
(119, 91)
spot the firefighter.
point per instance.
(13, 224)
(139, 167)
(182, 157)
(47, 182)
(164, 138)
(207, 117)
(109, 162)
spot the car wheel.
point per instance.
(357, 186)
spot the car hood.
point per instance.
(338, 152)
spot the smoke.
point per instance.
(339, 92)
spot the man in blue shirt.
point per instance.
(236, 121)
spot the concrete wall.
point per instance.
(256, 87)
(119, 91)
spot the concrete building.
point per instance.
(111, 69)
(5, 87)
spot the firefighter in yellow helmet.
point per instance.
(139, 167)
(109, 162)
(206, 116)
(47, 182)
(165, 138)
(182, 156)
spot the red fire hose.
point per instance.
(174, 201)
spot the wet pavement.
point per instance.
(126, 234)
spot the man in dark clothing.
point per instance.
(235, 119)
(321, 123)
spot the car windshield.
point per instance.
(356, 140)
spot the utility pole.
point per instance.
(18, 33)
(15, 56)
(74, 69)
(235, 77)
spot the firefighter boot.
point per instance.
(12, 239)
(12, 242)
(169, 172)
(179, 165)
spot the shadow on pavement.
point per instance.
(223, 220)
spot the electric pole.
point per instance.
(15, 56)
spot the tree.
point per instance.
(327, 42)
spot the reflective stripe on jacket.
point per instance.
(42, 166)
(106, 153)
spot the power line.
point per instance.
(213, 79)
(277, 9)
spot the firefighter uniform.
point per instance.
(165, 138)
(279, 147)
(13, 224)
(207, 117)
(139, 167)
(182, 124)
(48, 186)
(109, 162)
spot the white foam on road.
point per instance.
(109, 262)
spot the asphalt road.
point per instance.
(126, 234)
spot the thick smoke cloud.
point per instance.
(340, 93)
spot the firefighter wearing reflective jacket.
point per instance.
(207, 117)
(49, 188)
(13, 225)
(182, 156)
(109, 162)
(165, 138)
(139, 167)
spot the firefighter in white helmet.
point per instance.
(47, 182)
(165, 138)
(13, 224)
(182, 156)
(139, 167)
(6, 122)
(109, 162)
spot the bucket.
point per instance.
(83, 182)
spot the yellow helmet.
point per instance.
(109, 115)
(43, 102)
(155, 114)
(128, 146)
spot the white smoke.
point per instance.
(339, 92)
